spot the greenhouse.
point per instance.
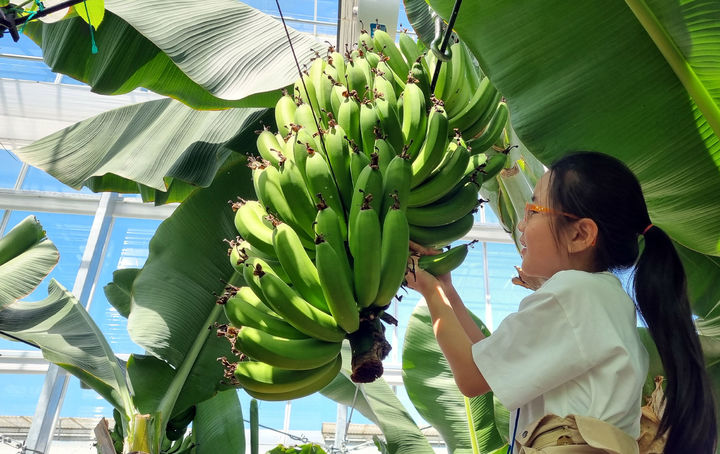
(206, 212)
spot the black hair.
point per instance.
(597, 186)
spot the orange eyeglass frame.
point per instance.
(541, 209)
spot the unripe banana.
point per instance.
(285, 113)
(358, 161)
(444, 262)
(298, 265)
(304, 116)
(348, 116)
(295, 354)
(398, 83)
(362, 62)
(365, 241)
(495, 164)
(337, 61)
(419, 73)
(320, 381)
(252, 271)
(444, 235)
(393, 255)
(387, 113)
(337, 290)
(369, 183)
(245, 308)
(368, 123)
(385, 44)
(434, 146)
(443, 180)
(483, 122)
(251, 226)
(409, 48)
(384, 88)
(240, 251)
(301, 141)
(447, 210)
(264, 378)
(327, 225)
(414, 118)
(479, 108)
(493, 131)
(305, 91)
(306, 318)
(385, 153)
(321, 181)
(294, 189)
(338, 156)
(269, 147)
(459, 92)
(337, 97)
(396, 183)
(365, 42)
(355, 77)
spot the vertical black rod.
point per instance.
(444, 44)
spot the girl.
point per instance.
(570, 364)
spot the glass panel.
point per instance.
(11, 68)
(20, 393)
(69, 233)
(25, 46)
(310, 412)
(9, 168)
(128, 248)
(504, 295)
(83, 402)
(38, 180)
(70, 81)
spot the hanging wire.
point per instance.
(3, 333)
(94, 48)
(444, 44)
(297, 64)
(301, 438)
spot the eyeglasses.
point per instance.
(531, 208)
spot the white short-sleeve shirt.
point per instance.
(571, 348)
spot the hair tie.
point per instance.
(646, 229)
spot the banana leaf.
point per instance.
(118, 292)
(68, 337)
(432, 389)
(633, 79)
(26, 258)
(162, 145)
(216, 55)
(173, 313)
(218, 424)
(377, 402)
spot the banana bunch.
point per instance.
(365, 158)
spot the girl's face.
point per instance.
(542, 254)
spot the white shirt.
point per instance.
(572, 348)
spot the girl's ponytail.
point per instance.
(661, 294)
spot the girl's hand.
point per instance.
(523, 280)
(420, 250)
(419, 279)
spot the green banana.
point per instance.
(306, 318)
(337, 96)
(493, 131)
(298, 265)
(294, 189)
(478, 109)
(301, 141)
(254, 267)
(305, 91)
(348, 116)
(393, 255)
(321, 181)
(337, 290)
(434, 146)
(408, 48)
(285, 113)
(441, 236)
(305, 117)
(494, 165)
(419, 73)
(250, 224)
(295, 354)
(369, 183)
(444, 179)
(368, 123)
(385, 153)
(446, 210)
(337, 61)
(355, 76)
(414, 118)
(364, 64)
(365, 241)
(398, 83)
(321, 381)
(327, 225)
(365, 42)
(245, 308)
(444, 262)
(269, 147)
(358, 161)
(384, 88)
(396, 183)
(264, 378)
(459, 92)
(482, 123)
(385, 44)
(338, 157)
(387, 113)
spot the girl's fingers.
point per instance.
(422, 250)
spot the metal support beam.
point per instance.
(340, 425)
(56, 380)
(348, 26)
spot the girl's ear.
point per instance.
(582, 235)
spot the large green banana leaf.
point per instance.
(377, 402)
(591, 75)
(218, 425)
(26, 258)
(68, 337)
(432, 389)
(217, 54)
(173, 311)
(162, 145)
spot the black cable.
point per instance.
(18, 339)
(443, 45)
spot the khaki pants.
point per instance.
(552, 434)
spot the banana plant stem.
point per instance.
(677, 61)
(471, 426)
